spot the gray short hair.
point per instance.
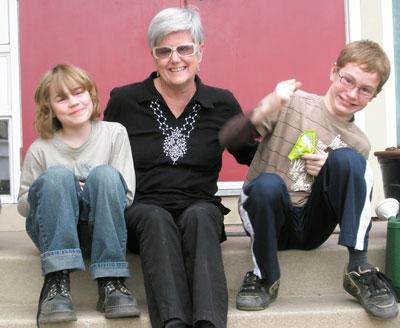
(173, 20)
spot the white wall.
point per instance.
(380, 114)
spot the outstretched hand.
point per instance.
(284, 90)
(275, 100)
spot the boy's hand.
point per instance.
(275, 100)
(314, 162)
(283, 91)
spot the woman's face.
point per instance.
(177, 71)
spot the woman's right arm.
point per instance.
(243, 129)
(237, 132)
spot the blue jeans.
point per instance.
(57, 205)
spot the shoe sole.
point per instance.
(119, 311)
(251, 308)
(255, 308)
(122, 313)
(57, 317)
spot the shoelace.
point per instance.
(377, 283)
(59, 285)
(251, 282)
(117, 284)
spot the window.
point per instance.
(4, 159)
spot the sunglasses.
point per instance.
(182, 50)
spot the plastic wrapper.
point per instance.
(305, 144)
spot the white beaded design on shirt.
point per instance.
(175, 138)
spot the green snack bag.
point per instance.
(305, 144)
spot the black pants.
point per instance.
(181, 261)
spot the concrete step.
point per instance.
(303, 273)
(287, 312)
(310, 295)
(312, 312)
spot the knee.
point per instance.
(103, 173)
(205, 215)
(54, 178)
(156, 220)
(266, 186)
(201, 223)
(346, 159)
(105, 176)
(198, 210)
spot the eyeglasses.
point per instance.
(367, 93)
(183, 50)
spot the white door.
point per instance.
(10, 111)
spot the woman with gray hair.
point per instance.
(176, 221)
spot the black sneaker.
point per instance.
(372, 289)
(55, 304)
(255, 294)
(115, 300)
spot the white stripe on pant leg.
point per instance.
(365, 218)
(249, 228)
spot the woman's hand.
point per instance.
(314, 162)
(275, 100)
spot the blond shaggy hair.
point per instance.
(46, 122)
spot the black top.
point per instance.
(177, 160)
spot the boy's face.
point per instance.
(72, 108)
(351, 90)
